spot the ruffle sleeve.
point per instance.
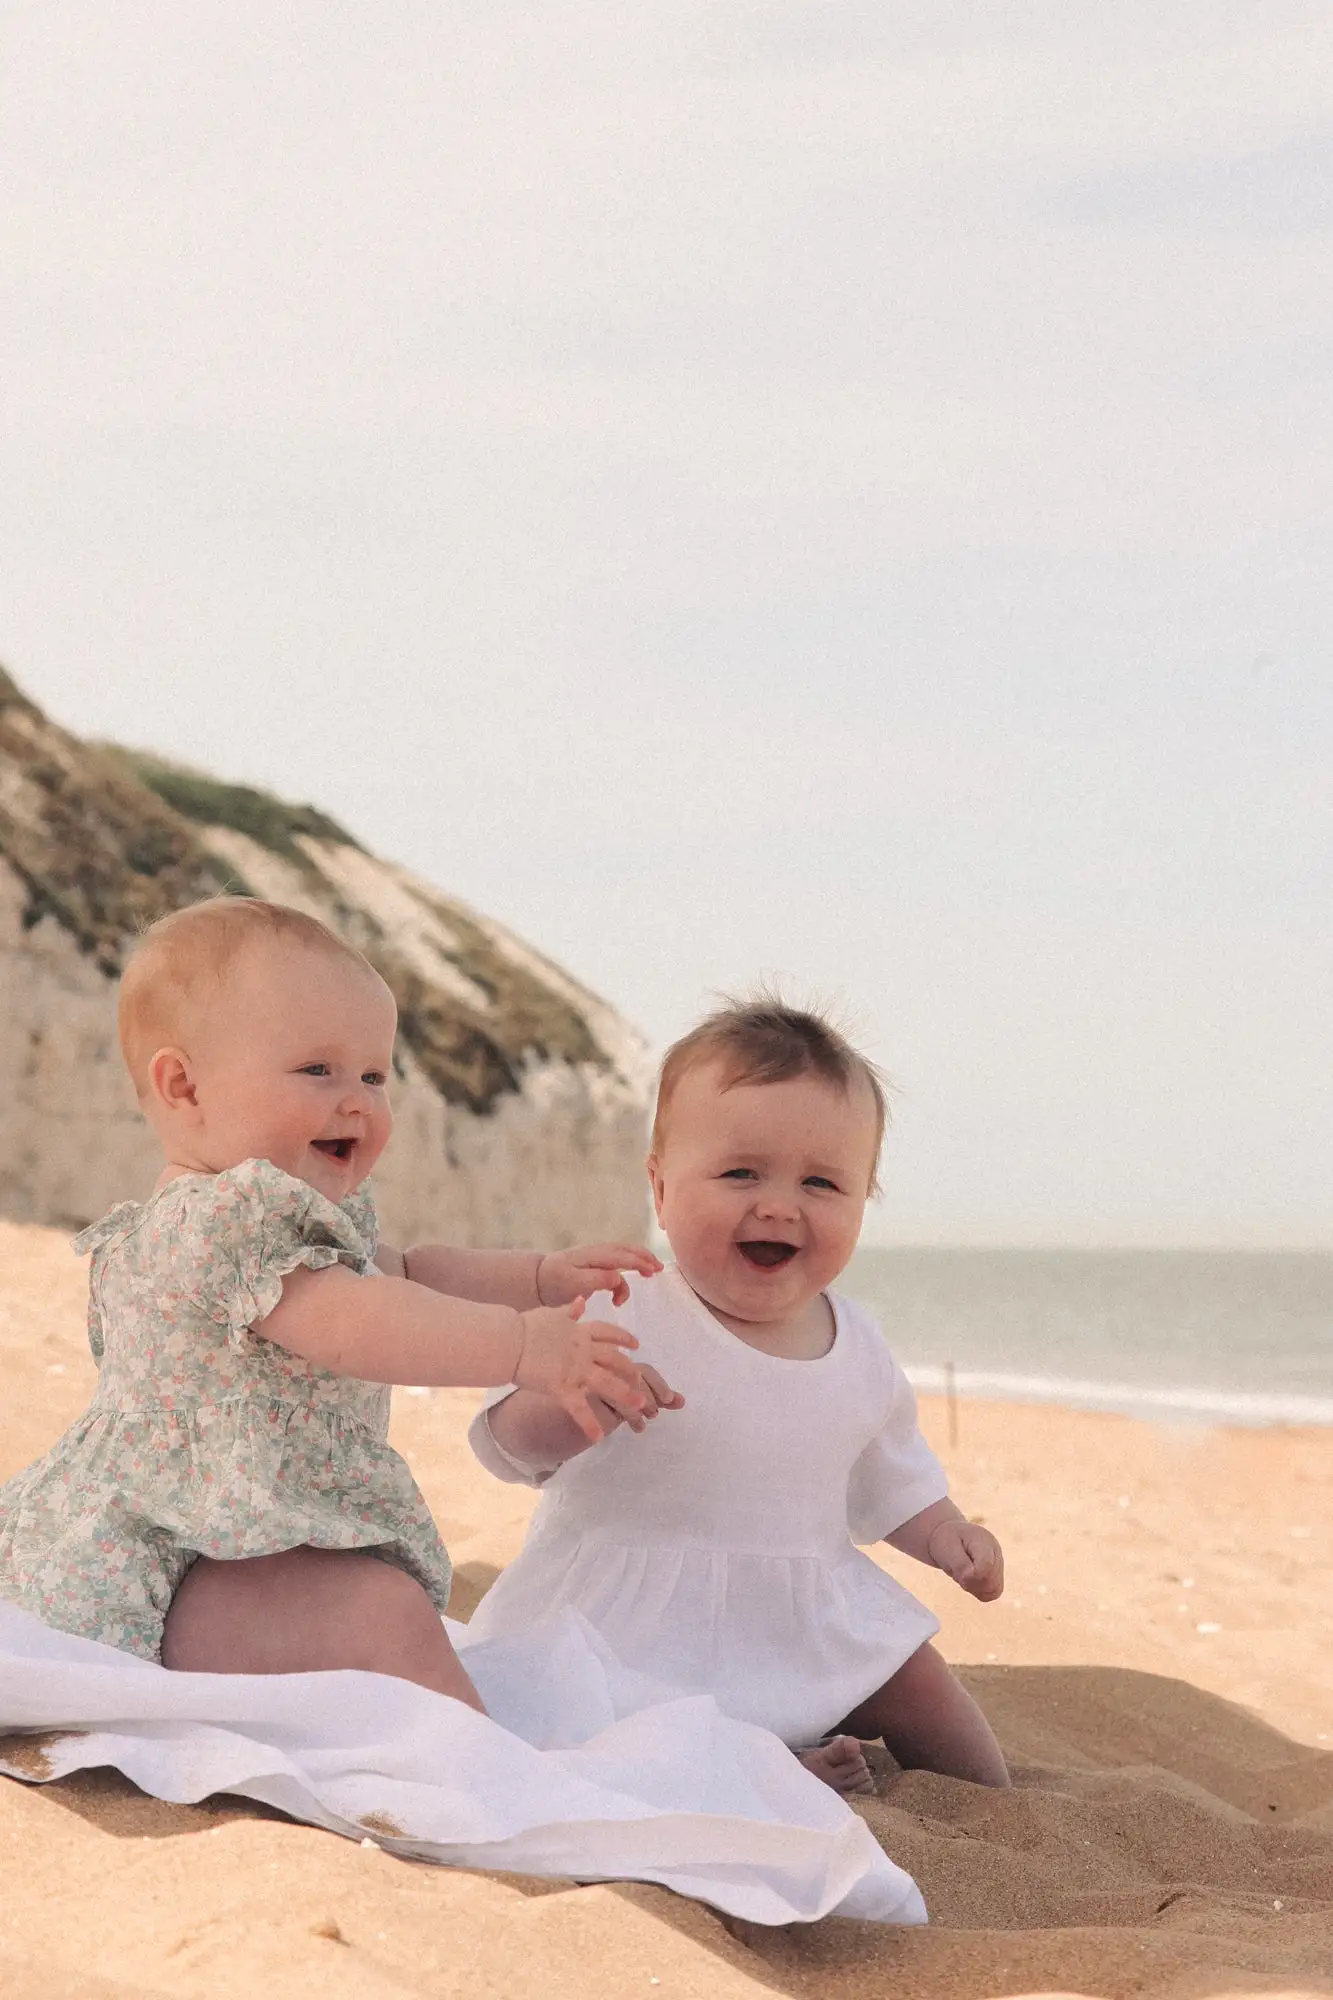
(245, 1230)
(897, 1474)
(359, 1208)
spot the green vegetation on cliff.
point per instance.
(93, 847)
(209, 802)
(106, 840)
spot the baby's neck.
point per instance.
(805, 1335)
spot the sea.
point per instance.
(1191, 1336)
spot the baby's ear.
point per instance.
(655, 1176)
(170, 1079)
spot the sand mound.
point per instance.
(1158, 1840)
(1104, 1873)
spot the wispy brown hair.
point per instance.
(764, 1041)
(180, 961)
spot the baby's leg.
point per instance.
(930, 1722)
(308, 1609)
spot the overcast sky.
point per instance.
(838, 491)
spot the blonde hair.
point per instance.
(765, 1041)
(180, 962)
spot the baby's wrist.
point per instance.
(951, 1526)
(519, 1345)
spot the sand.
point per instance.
(1160, 1673)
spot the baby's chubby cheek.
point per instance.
(703, 1263)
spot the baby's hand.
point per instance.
(659, 1398)
(969, 1554)
(565, 1275)
(569, 1362)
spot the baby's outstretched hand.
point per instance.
(566, 1275)
(570, 1359)
(659, 1398)
(969, 1554)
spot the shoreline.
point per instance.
(1197, 1338)
(1222, 1409)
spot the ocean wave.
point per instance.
(1124, 1398)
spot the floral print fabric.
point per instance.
(204, 1438)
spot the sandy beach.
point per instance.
(1158, 1672)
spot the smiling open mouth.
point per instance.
(336, 1149)
(767, 1256)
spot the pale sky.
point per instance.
(838, 491)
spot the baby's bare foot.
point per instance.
(841, 1763)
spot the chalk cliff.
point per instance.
(520, 1097)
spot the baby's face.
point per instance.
(761, 1188)
(292, 1062)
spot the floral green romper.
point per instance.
(204, 1438)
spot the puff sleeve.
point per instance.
(243, 1231)
(897, 1474)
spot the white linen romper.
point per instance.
(716, 1549)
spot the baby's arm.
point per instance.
(942, 1536)
(523, 1279)
(538, 1433)
(398, 1331)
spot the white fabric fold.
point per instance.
(581, 1768)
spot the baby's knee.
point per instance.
(922, 1672)
(382, 1591)
(389, 1610)
(401, 1633)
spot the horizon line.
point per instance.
(1106, 1247)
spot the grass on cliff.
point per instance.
(473, 1056)
(106, 840)
(94, 848)
(270, 822)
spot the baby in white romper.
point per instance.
(715, 1548)
(229, 1502)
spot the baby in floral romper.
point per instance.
(228, 1502)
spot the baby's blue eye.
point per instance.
(820, 1181)
(315, 1069)
(375, 1078)
(738, 1174)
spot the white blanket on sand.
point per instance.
(581, 1768)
